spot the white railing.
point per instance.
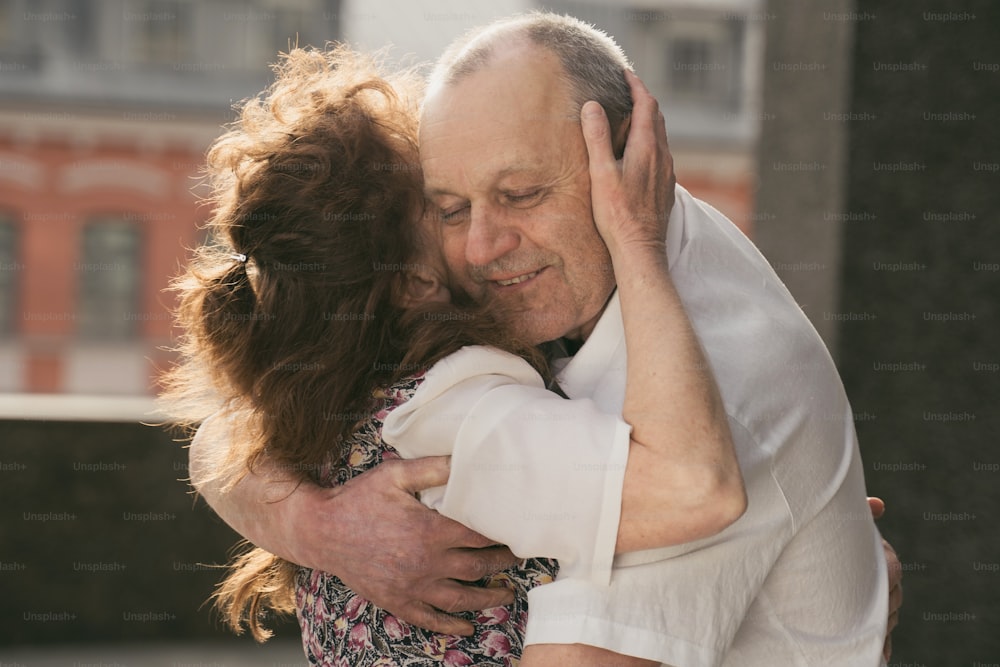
(80, 407)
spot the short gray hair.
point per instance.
(593, 62)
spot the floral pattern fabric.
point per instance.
(342, 629)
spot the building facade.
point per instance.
(108, 107)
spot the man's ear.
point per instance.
(621, 135)
(422, 286)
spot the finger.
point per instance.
(892, 564)
(887, 649)
(427, 617)
(470, 539)
(661, 129)
(648, 129)
(474, 564)
(453, 597)
(641, 92)
(597, 136)
(664, 145)
(895, 598)
(647, 121)
(450, 534)
(418, 474)
(877, 506)
(889, 549)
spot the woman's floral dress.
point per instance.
(342, 629)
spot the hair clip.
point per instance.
(239, 257)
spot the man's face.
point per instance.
(504, 158)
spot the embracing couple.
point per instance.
(628, 444)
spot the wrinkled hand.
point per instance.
(895, 580)
(632, 197)
(389, 548)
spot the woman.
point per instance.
(323, 323)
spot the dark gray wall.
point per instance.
(921, 280)
(99, 541)
(889, 237)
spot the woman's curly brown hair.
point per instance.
(318, 185)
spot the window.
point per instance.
(692, 62)
(159, 31)
(109, 279)
(274, 25)
(20, 36)
(10, 270)
(699, 60)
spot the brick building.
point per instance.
(108, 107)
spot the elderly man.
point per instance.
(795, 580)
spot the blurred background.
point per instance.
(856, 145)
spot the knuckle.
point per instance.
(455, 602)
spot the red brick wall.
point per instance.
(50, 202)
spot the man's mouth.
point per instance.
(517, 279)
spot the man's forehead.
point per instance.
(495, 125)
(479, 114)
(521, 78)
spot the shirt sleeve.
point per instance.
(680, 605)
(529, 469)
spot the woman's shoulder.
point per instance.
(468, 362)
(453, 373)
(391, 396)
(478, 360)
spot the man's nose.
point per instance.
(491, 236)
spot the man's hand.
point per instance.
(632, 197)
(390, 549)
(895, 580)
(371, 532)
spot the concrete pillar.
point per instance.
(801, 152)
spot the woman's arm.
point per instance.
(683, 480)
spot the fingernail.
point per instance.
(591, 109)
